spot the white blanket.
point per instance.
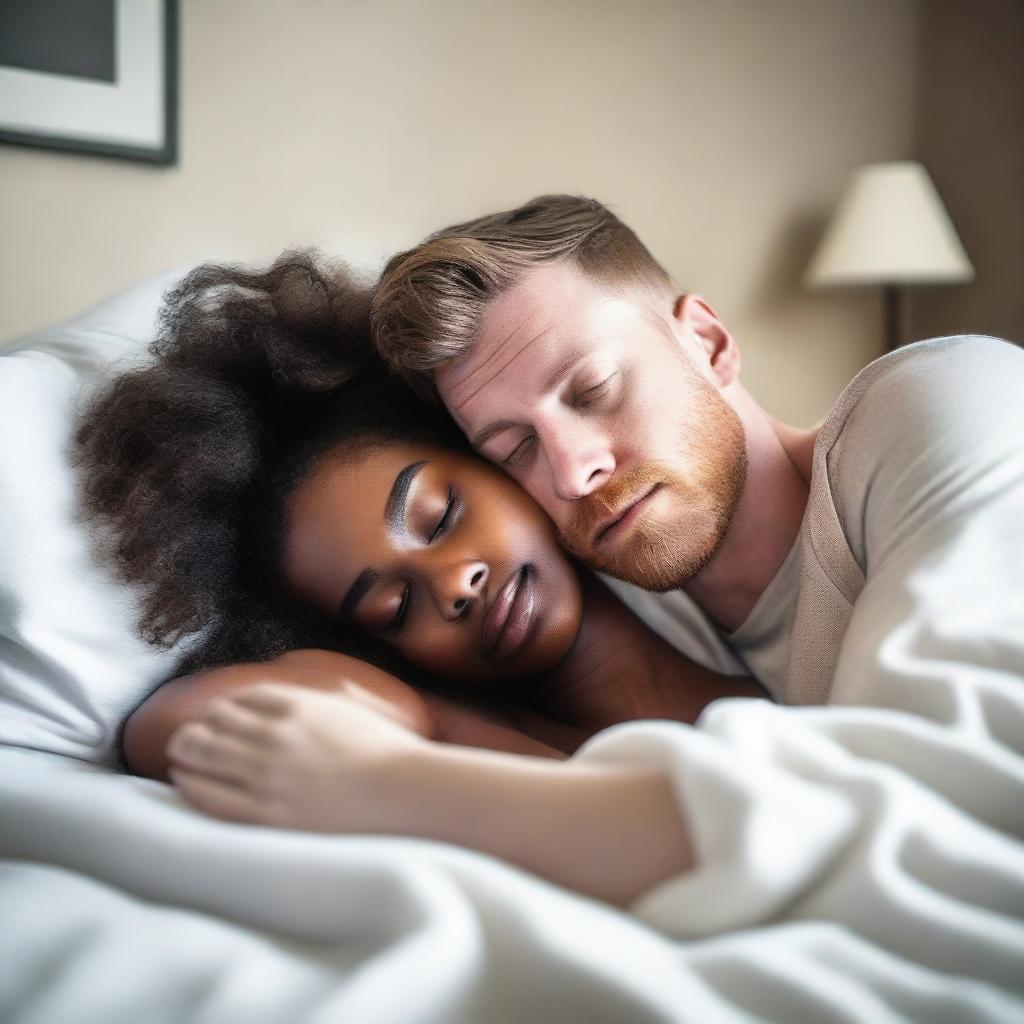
(856, 895)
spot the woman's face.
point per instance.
(437, 554)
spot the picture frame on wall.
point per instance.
(94, 76)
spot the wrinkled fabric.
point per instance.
(120, 903)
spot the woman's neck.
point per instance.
(619, 670)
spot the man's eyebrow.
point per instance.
(489, 431)
(394, 510)
(562, 371)
(557, 376)
(364, 581)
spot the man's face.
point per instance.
(604, 407)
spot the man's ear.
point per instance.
(699, 320)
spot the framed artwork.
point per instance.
(98, 76)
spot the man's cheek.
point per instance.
(557, 510)
(562, 526)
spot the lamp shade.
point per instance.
(890, 228)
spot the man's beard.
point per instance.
(662, 552)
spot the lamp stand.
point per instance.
(893, 297)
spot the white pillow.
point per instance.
(71, 663)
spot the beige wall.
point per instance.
(971, 137)
(722, 130)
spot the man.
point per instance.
(875, 562)
(561, 348)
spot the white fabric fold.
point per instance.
(795, 814)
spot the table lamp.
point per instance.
(890, 229)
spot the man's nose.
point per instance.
(458, 586)
(580, 461)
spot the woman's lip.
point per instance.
(628, 516)
(506, 623)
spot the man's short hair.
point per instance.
(430, 300)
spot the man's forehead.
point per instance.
(497, 359)
(526, 334)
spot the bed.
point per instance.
(119, 902)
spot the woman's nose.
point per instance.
(461, 585)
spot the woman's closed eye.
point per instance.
(451, 514)
(396, 623)
(453, 511)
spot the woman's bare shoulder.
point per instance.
(179, 700)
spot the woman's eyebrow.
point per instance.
(394, 510)
(364, 581)
(394, 520)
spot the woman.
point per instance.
(271, 487)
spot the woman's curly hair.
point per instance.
(186, 463)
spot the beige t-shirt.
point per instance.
(899, 438)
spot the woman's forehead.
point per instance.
(377, 481)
